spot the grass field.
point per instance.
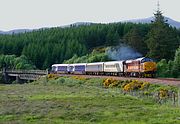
(78, 102)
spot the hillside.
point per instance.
(48, 46)
(15, 31)
(143, 21)
(148, 20)
(18, 31)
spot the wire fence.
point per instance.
(160, 95)
(169, 98)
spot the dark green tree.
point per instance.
(135, 39)
(162, 40)
(176, 64)
(112, 38)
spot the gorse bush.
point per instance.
(79, 78)
(109, 82)
(136, 85)
(161, 91)
(127, 85)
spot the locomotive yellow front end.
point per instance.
(149, 68)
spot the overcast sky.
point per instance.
(18, 14)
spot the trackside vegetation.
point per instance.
(169, 68)
(79, 100)
(14, 62)
(95, 56)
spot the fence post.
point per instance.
(17, 79)
(178, 97)
(5, 75)
(46, 77)
(174, 98)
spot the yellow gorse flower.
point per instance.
(127, 85)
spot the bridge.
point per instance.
(23, 74)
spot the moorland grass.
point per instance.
(79, 101)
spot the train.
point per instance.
(140, 67)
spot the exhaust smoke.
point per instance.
(122, 52)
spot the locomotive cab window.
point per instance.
(146, 60)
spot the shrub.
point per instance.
(135, 85)
(163, 93)
(109, 82)
(145, 85)
(79, 78)
(126, 85)
(52, 76)
(61, 80)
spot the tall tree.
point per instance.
(162, 40)
(135, 39)
(112, 38)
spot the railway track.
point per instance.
(167, 81)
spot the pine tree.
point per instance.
(162, 39)
(112, 37)
(134, 39)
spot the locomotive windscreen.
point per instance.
(54, 68)
(146, 60)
